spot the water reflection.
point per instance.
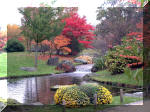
(37, 89)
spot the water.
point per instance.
(37, 89)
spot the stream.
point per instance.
(37, 89)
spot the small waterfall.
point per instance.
(84, 68)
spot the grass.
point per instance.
(105, 75)
(17, 60)
(58, 108)
(3, 64)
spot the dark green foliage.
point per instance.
(12, 102)
(115, 63)
(75, 46)
(14, 46)
(100, 63)
(90, 90)
(134, 75)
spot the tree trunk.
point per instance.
(36, 55)
(50, 52)
(58, 52)
(30, 45)
(27, 44)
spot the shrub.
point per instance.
(90, 90)
(12, 102)
(115, 63)
(103, 95)
(130, 53)
(100, 63)
(75, 46)
(76, 96)
(9, 101)
(73, 97)
(14, 46)
(59, 94)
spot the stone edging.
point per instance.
(26, 76)
(117, 84)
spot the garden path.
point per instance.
(129, 108)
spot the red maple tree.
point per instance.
(77, 27)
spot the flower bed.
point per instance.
(76, 96)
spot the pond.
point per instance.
(37, 89)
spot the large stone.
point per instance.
(84, 59)
(80, 61)
(37, 104)
(30, 69)
(53, 61)
(87, 76)
(66, 66)
(94, 69)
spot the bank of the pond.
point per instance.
(120, 79)
(10, 64)
(28, 76)
(58, 108)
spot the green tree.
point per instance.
(41, 23)
(116, 22)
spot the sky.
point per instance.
(10, 14)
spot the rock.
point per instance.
(37, 103)
(84, 59)
(80, 61)
(66, 66)
(94, 69)
(30, 69)
(76, 80)
(54, 88)
(87, 77)
(53, 61)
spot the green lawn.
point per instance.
(3, 64)
(23, 59)
(58, 108)
(105, 75)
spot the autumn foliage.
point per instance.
(59, 44)
(76, 27)
(3, 40)
(13, 31)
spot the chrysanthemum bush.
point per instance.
(73, 97)
(58, 97)
(76, 96)
(103, 94)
